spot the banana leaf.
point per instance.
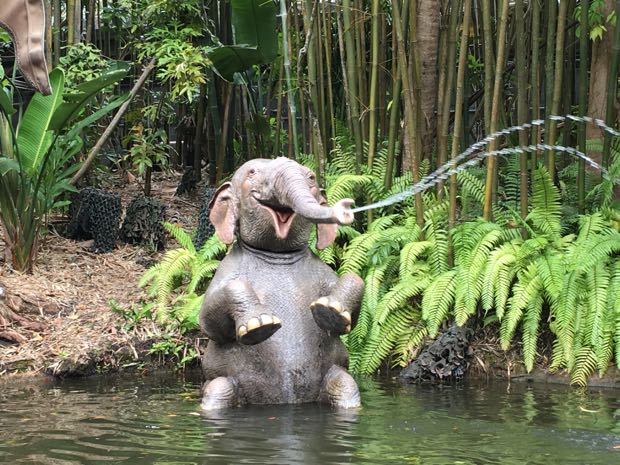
(112, 105)
(254, 25)
(34, 137)
(5, 102)
(255, 36)
(231, 59)
(76, 101)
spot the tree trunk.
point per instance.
(599, 70)
(428, 23)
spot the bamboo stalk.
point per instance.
(458, 108)
(290, 100)
(557, 83)
(521, 102)
(57, 18)
(552, 16)
(409, 107)
(372, 123)
(535, 79)
(349, 40)
(583, 100)
(487, 30)
(444, 107)
(495, 107)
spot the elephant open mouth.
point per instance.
(282, 218)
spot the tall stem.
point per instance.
(349, 41)
(557, 83)
(535, 79)
(290, 98)
(495, 107)
(521, 101)
(458, 108)
(409, 107)
(372, 101)
(583, 100)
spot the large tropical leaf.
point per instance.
(34, 137)
(5, 102)
(75, 102)
(112, 105)
(255, 36)
(254, 24)
(231, 59)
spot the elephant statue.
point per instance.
(274, 311)
(25, 22)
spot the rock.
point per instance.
(446, 359)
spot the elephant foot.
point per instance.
(330, 316)
(339, 389)
(256, 330)
(219, 393)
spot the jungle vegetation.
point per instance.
(373, 95)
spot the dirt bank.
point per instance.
(58, 320)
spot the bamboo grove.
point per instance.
(374, 95)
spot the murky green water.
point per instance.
(156, 420)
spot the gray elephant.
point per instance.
(274, 311)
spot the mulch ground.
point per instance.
(58, 320)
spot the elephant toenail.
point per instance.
(337, 306)
(242, 331)
(323, 301)
(253, 323)
(266, 319)
(347, 316)
(276, 320)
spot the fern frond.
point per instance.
(546, 212)
(438, 299)
(200, 273)
(410, 255)
(181, 236)
(585, 364)
(383, 338)
(526, 290)
(408, 342)
(531, 322)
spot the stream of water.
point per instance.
(473, 155)
(157, 420)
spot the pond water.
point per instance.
(156, 420)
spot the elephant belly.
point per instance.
(290, 365)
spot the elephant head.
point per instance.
(25, 21)
(272, 204)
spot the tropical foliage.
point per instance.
(39, 155)
(177, 283)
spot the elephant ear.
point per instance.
(223, 213)
(325, 232)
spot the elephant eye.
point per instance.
(252, 172)
(311, 177)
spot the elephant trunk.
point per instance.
(292, 189)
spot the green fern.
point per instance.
(181, 275)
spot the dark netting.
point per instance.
(205, 228)
(95, 214)
(143, 222)
(188, 182)
(446, 359)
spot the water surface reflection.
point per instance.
(156, 420)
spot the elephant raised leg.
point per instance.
(235, 312)
(339, 389)
(220, 393)
(335, 312)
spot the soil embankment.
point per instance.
(59, 321)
